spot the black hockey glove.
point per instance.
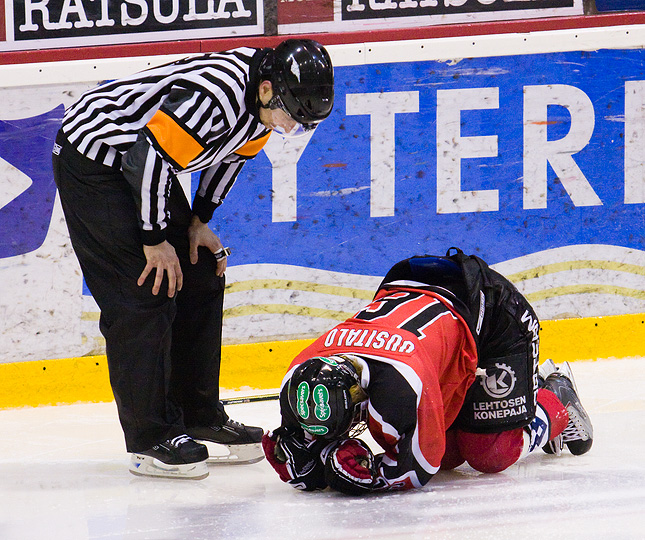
(350, 468)
(296, 460)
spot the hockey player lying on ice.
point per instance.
(443, 368)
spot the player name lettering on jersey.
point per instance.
(489, 410)
(369, 339)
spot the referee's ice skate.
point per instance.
(243, 443)
(180, 457)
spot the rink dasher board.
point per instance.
(375, 184)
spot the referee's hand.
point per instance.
(200, 234)
(163, 259)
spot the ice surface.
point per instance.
(63, 476)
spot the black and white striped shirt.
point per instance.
(196, 114)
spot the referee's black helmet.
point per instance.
(302, 75)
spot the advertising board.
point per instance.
(298, 16)
(535, 162)
(30, 24)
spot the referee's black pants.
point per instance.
(163, 353)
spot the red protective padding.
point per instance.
(351, 456)
(452, 457)
(268, 445)
(491, 452)
(555, 410)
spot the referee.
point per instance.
(148, 256)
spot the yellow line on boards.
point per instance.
(262, 366)
(543, 270)
(295, 285)
(284, 309)
(585, 289)
(86, 380)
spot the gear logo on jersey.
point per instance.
(500, 383)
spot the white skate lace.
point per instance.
(179, 440)
(575, 429)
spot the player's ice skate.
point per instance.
(231, 444)
(578, 435)
(180, 457)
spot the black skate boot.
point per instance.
(578, 435)
(244, 443)
(179, 457)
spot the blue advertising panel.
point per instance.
(26, 145)
(569, 108)
(534, 162)
(620, 5)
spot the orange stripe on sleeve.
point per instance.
(173, 139)
(252, 148)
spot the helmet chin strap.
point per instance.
(298, 130)
(273, 103)
(258, 101)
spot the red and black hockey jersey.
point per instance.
(419, 359)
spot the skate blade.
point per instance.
(556, 445)
(141, 465)
(233, 454)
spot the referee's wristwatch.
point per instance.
(221, 253)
